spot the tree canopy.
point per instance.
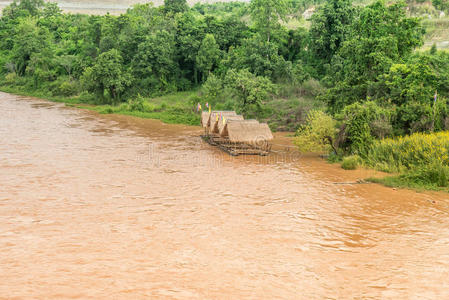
(237, 55)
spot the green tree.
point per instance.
(411, 88)
(41, 67)
(212, 89)
(107, 74)
(249, 90)
(175, 6)
(208, 55)
(260, 58)
(266, 15)
(51, 9)
(227, 31)
(28, 39)
(363, 123)
(297, 44)
(329, 28)
(109, 32)
(381, 36)
(23, 8)
(190, 33)
(155, 62)
(67, 62)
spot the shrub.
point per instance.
(311, 87)
(107, 109)
(67, 89)
(317, 134)
(299, 73)
(351, 162)
(193, 100)
(137, 104)
(85, 97)
(11, 78)
(365, 122)
(149, 107)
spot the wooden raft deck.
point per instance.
(236, 149)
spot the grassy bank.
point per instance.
(419, 161)
(283, 111)
(171, 109)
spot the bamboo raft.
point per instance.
(234, 135)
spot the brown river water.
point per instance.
(114, 207)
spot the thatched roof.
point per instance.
(248, 131)
(215, 115)
(205, 118)
(224, 131)
(221, 125)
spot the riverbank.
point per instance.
(175, 109)
(170, 109)
(284, 111)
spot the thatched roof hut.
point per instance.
(248, 131)
(214, 118)
(205, 115)
(221, 125)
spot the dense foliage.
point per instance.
(359, 63)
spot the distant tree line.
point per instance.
(364, 58)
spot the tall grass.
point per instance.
(405, 153)
(422, 160)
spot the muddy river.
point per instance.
(107, 206)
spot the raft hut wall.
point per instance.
(205, 119)
(221, 125)
(213, 122)
(225, 133)
(248, 132)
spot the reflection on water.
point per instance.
(112, 206)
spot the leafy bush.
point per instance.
(5, 64)
(311, 87)
(351, 162)
(411, 87)
(317, 134)
(67, 89)
(299, 73)
(193, 100)
(136, 104)
(85, 97)
(11, 78)
(365, 122)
